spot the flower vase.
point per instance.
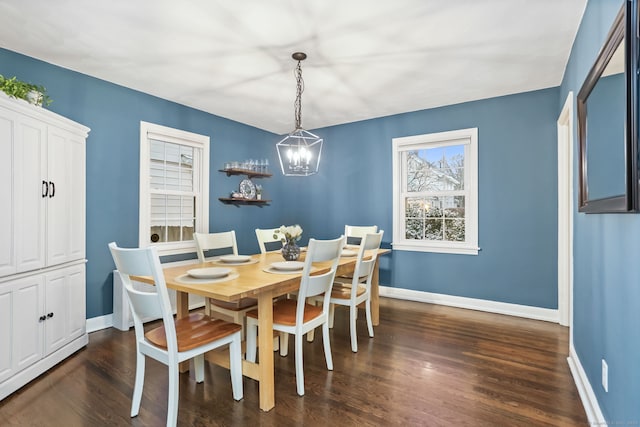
(290, 250)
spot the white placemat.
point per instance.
(276, 271)
(188, 280)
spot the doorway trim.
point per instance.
(565, 214)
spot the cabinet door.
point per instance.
(66, 201)
(56, 304)
(76, 297)
(7, 195)
(21, 330)
(29, 173)
(64, 306)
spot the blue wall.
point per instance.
(517, 184)
(517, 197)
(113, 156)
(606, 267)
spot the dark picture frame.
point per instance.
(608, 146)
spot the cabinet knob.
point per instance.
(49, 315)
(43, 318)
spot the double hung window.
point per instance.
(435, 192)
(174, 191)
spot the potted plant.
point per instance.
(33, 94)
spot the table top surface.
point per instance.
(251, 279)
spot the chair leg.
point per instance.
(207, 307)
(139, 384)
(235, 365)
(251, 343)
(332, 311)
(311, 335)
(198, 364)
(284, 344)
(174, 383)
(352, 328)
(299, 367)
(369, 322)
(327, 346)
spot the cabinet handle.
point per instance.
(43, 318)
(45, 189)
(53, 188)
(49, 315)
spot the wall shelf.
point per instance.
(250, 174)
(239, 201)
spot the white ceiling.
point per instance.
(366, 58)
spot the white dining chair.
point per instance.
(265, 237)
(176, 340)
(236, 311)
(297, 316)
(358, 290)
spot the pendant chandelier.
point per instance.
(299, 152)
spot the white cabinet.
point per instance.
(42, 241)
(44, 222)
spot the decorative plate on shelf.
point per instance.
(247, 189)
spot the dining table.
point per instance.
(254, 278)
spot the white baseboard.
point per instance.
(100, 322)
(537, 313)
(588, 397)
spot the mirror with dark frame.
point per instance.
(607, 122)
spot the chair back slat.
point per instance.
(211, 241)
(145, 305)
(318, 251)
(265, 236)
(355, 233)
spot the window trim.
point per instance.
(176, 136)
(432, 140)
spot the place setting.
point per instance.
(349, 253)
(285, 267)
(235, 260)
(207, 275)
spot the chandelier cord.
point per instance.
(298, 103)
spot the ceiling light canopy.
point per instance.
(300, 151)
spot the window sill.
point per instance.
(460, 250)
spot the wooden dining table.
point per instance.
(253, 281)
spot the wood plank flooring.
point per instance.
(428, 365)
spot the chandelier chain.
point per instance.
(298, 103)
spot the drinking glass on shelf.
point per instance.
(266, 166)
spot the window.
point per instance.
(435, 192)
(174, 188)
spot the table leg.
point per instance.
(375, 294)
(265, 351)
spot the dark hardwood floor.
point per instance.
(428, 365)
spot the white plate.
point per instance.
(348, 252)
(288, 265)
(209, 273)
(235, 258)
